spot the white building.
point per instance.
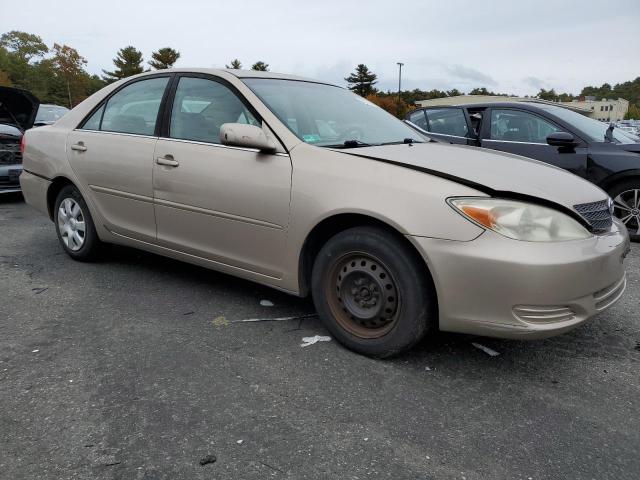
(604, 110)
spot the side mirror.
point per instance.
(247, 136)
(561, 139)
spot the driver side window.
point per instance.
(519, 126)
(202, 106)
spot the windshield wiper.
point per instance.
(349, 144)
(400, 142)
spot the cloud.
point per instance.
(534, 82)
(467, 73)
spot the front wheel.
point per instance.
(373, 292)
(626, 206)
(74, 225)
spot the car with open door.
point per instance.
(601, 153)
(17, 113)
(308, 188)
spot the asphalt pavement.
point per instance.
(140, 367)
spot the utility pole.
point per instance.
(400, 64)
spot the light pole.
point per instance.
(400, 64)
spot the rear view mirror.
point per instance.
(247, 136)
(561, 139)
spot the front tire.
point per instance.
(373, 292)
(74, 225)
(626, 206)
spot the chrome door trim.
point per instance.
(513, 141)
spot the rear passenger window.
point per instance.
(134, 109)
(201, 107)
(418, 118)
(447, 121)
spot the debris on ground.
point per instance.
(274, 319)
(208, 459)
(39, 290)
(486, 350)
(35, 351)
(266, 303)
(428, 369)
(239, 442)
(220, 321)
(315, 339)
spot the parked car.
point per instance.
(17, 113)
(49, 114)
(608, 157)
(309, 188)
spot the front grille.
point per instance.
(10, 154)
(597, 214)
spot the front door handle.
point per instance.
(79, 147)
(167, 161)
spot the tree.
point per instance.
(235, 64)
(633, 113)
(68, 65)
(5, 81)
(260, 66)
(128, 62)
(390, 104)
(454, 93)
(549, 95)
(164, 58)
(23, 46)
(362, 81)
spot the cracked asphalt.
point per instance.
(136, 367)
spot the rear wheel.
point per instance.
(626, 206)
(74, 225)
(373, 292)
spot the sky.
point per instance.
(512, 46)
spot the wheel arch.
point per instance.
(57, 184)
(334, 224)
(619, 177)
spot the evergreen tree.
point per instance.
(164, 58)
(128, 62)
(362, 81)
(260, 66)
(235, 64)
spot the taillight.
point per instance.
(23, 145)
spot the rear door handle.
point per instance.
(167, 161)
(79, 147)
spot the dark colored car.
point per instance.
(18, 110)
(598, 152)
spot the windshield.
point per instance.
(325, 115)
(50, 113)
(594, 129)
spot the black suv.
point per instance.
(600, 153)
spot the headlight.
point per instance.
(520, 220)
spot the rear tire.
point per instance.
(74, 226)
(626, 202)
(373, 292)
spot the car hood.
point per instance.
(18, 107)
(630, 147)
(495, 173)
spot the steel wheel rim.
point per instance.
(626, 206)
(71, 224)
(363, 295)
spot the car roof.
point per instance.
(239, 73)
(528, 105)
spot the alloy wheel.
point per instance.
(627, 208)
(71, 224)
(363, 295)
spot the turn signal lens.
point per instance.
(520, 220)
